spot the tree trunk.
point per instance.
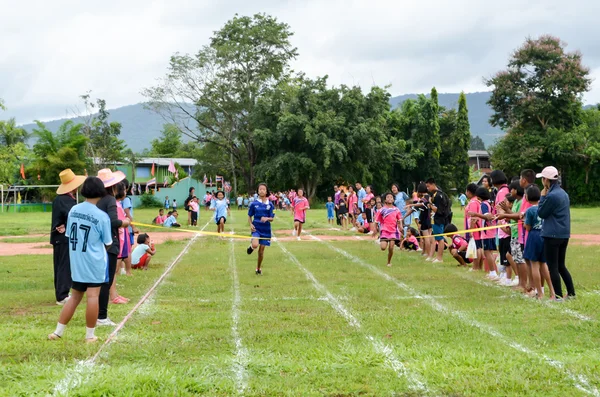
(233, 174)
(587, 174)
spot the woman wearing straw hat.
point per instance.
(69, 182)
(108, 204)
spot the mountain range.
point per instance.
(140, 126)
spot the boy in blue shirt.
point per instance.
(330, 207)
(89, 232)
(260, 216)
(221, 208)
(171, 220)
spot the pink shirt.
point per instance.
(159, 220)
(194, 205)
(122, 216)
(388, 218)
(413, 240)
(491, 233)
(473, 206)
(459, 243)
(522, 232)
(352, 203)
(500, 197)
(300, 207)
(367, 200)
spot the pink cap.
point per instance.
(548, 173)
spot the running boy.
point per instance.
(300, 207)
(390, 219)
(330, 214)
(89, 232)
(221, 208)
(260, 215)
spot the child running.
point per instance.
(221, 208)
(260, 215)
(330, 214)
(300, 207)
(390, 219)
(89, 232)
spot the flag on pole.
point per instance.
(205, 180)
(133, 189)
(172, 168)
(22, 171)
(151, 182)
(152, 171)
(210, 181)
(166, 182)
(189, 170)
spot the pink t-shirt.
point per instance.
(367, 200)
(352, 203)
(194, 205)
(388, 218)
(525, 205)
(500, 197)
(473, 206)
(459, 243)
(122, 216)
(487, 207)
(300, 207)
(159, 220)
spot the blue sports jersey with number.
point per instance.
(259, 210)
(220, 207)
(88, 231)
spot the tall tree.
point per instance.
(13, 151)
(10, 134)
(212, 95)
(461, 141)
(169, 142)
(477, 143)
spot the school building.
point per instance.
(481, 160)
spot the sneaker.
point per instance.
(62, 302)
(370, 233)
(419, 249)
(107, 321)
(495, 278)
(294, 233)
(377, 241)
(437, 261)
(53, 336)
(353, 229)
(570, 297)
(258, 272)
(428, 259)
(91, 340)
(507, 283)
(250, 250)
(514, 282)
(123, 272)
(389, 265)
(298, 238)
(558, 299)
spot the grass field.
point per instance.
(325, 318)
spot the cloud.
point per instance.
(52, 52)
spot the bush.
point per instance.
(149, 201)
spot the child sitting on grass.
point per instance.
(161, 218)
(171, 220)
(458, 249)
(410, 242)
(142, 254)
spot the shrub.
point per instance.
(149, 201)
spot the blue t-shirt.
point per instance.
(170, 221)
(361, 195)
(463, 199)
(220, 207)
(329, 206)
(88, 231)
(532, 219)
(400, 202)
(258, 210)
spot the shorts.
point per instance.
(516, 250)
(141, 262)
(504, 248)
(438, 229)
(489, 244)
(394, 240)
(365, 231)
(194, 216)
(219, 220)
(534, 249)
(264, 239)
(409, 246)
(126, 246)
(82, 287)
(463, 254)
(239, 207)
(299, 221)
(330, 217)
(369, 215)
(387, 236)
(479, 244)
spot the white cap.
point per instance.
(548, 173)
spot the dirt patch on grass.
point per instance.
(586, 239)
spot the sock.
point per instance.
(89, 333)
(60, 329)
(493, 273)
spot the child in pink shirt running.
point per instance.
(300, 207)
(390, 219)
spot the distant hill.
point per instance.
(140, 126)
(479, 112)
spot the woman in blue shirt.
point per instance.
(260, 216)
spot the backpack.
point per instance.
(445, 210)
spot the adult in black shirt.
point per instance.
(439, 218)
(69, 182)
(186, 204)
(108, 204)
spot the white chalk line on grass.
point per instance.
(580, 381)
(75, 378)
(399, 368)
(240, 362)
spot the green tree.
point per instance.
(10, 134)
(168, 144)
(212, 95)
(460, 142)
(477, 143)
(13, 151)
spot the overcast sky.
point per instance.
(53, 51)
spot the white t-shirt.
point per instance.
(138, 252)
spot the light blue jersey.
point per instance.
(220, 207)
(361, 196)
(88, 231)
(170, 221)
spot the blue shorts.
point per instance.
(489, 244)
(263, 237)
(438, 229)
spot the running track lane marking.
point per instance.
(399, 368)
(580, 381)
(74, 379)
(240, 362)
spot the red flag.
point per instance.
(22, 171)
(152, 172)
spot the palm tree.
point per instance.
(10, 134)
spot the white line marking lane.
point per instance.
(240, 362)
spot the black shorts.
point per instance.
(504, 248)
(82, 287)
(390, 240)
(369, 215)
(463, 254)
(410, 246)
(194, 216)
(219, 220)
(479, 244)
(489, 244)
(425, 226)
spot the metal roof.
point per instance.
(478, 153)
